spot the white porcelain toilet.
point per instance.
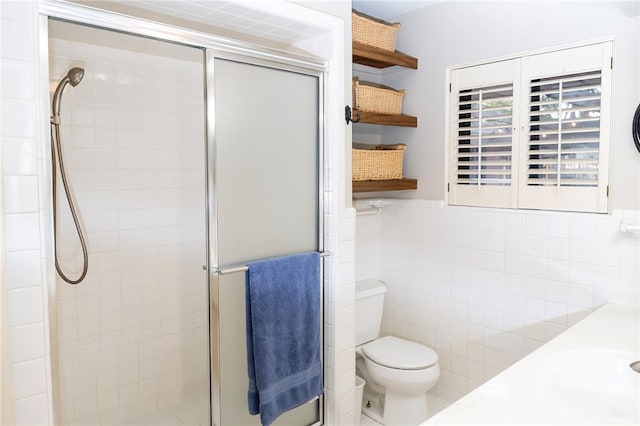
(398, 372)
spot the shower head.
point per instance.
(73, 77)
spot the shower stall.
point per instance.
(184, 161)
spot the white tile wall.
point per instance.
(485, 287)
(26, 293)
(339, 356)
(132, 338)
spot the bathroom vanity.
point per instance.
(583, 376)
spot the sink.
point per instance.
(590, 386)
(581, 377)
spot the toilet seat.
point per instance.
(401, 354)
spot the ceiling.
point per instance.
(231, 16)
(228, 18)
(388, 10)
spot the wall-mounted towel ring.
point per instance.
(635, 128)
(348, 115)
(373, 207)
(631, 228)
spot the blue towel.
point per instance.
(283, 334)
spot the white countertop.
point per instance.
(580, 377)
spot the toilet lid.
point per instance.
(393, 352)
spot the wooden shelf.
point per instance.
(386, 119)
(384, 185)
(380, 58)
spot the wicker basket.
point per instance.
(373, 32)
(377, 162)
(372, 97)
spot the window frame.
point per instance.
(592, 56)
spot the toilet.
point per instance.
(398, 372)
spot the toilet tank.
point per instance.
(369, 304)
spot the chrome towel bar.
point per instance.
(245, 268)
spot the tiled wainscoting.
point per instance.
(485, 287)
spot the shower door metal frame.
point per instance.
(213, 266)
(214, 47)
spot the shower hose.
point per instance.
(56, 146)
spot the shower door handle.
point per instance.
(216, 270)
(245, 268)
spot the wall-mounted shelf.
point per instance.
(384, 185)
(402, 120)
(380, 58)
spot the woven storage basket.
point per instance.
(372, 97)
(377, 162)
(373, 32)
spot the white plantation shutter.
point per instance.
(532, 132)
(564, 165)
(482, 122)
(564, 130)
(485, 118)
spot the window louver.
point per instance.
(564, 130)
(484, 142)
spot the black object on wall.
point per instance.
(635, 128)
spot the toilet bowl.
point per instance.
(403, 371)
(398, 372)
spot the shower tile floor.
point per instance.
(192, 411)
(435, 406)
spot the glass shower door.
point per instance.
(266, 189)
(130, 344)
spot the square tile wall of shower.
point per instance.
(132, 338)
(485, 287)
(20, 166)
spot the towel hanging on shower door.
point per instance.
(283, 334)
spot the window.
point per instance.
(532, 132)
